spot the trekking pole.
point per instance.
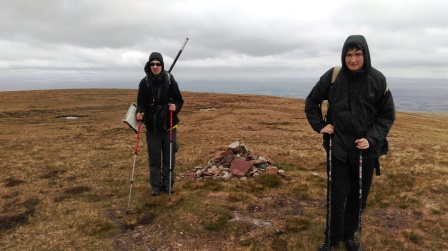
(329, 195)
(133, 167)
(178, 54)
(171, 150)
(360, 197)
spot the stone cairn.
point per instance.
(235, 161)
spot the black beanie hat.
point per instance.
(153, 56)
(156, 56)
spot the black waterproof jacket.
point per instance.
(154, 95)
(360, 106)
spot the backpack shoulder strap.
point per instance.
(336, 70)
(148, 83)
(168, 77)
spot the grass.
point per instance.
(65, 183)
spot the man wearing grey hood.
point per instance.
(158, 95)
(360, 114)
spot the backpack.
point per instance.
(336, 70)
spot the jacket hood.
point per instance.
(154, 56)
(358, 40)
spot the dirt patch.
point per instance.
(396, 219)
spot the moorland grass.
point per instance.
(64, 183)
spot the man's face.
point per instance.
(156, 67)
(354, 59)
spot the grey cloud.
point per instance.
(241, 38)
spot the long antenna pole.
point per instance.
(178, 54)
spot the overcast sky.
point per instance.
(89, 43)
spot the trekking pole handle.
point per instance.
(178, 54)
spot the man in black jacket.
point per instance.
(360, 114)
(158, 95)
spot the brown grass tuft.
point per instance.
(10, 182)
(14, 214)
(77, 190)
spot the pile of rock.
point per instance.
(235, 161)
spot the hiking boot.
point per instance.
(326, 246)
(166, 189)
(155, 191)
(352, 245)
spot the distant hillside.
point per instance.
(411, 95)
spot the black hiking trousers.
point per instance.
(159, 158)
(345, 196)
